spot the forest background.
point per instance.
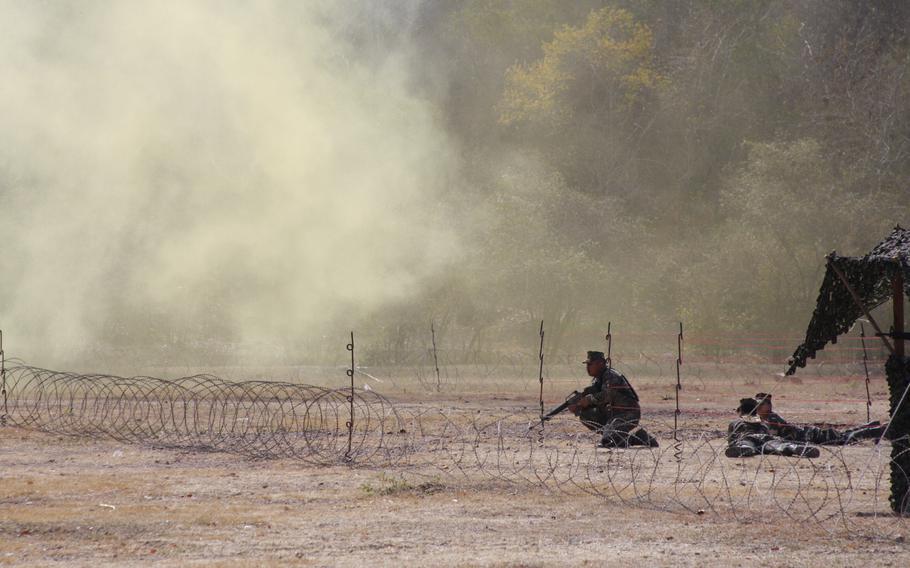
(647, 162)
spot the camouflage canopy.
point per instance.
(870, 277)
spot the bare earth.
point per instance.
(68, 501)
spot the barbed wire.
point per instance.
(844, 489)
(260, 419)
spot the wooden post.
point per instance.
(862, 338)
(859, 303)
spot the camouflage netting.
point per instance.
(869, 276)
(897, 370)
(836, 311)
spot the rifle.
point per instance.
(572, 399)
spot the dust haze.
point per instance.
(186, 178)
(183, 171)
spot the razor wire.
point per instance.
(260, 419)
(844, 489)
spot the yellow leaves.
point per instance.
(607, 58)
(641, 79)
(532, 91)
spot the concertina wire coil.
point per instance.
(847, 487)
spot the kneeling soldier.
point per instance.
(611, 404)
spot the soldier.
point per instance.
(611, 404)
(749, 436)
(812, 434)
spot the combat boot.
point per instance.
(793, 449)
(870, 431)
(742, 449)
(614, 439)
(641, 437)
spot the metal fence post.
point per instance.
(609, 339)
(540, 374)
(435, 357)
(350, 372)
(3, 381)
(679, 362)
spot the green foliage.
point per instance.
(692, 159)
(782, 210)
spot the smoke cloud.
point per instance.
(222, 169)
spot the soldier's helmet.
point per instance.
(594, 356)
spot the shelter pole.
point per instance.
(862, 306)
(897, 283)
(898, 373)
(862, 338)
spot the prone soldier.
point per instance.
(749, 436)
(813, 434)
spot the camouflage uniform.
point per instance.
(746, 438)
(821, 436)
(614, 408)
(778, 426)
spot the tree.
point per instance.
(583, 98)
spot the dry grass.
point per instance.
(68, 501)
(75, 502)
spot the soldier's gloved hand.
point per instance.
(584, 403)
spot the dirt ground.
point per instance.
(75, 502)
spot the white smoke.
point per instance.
(171, 163)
